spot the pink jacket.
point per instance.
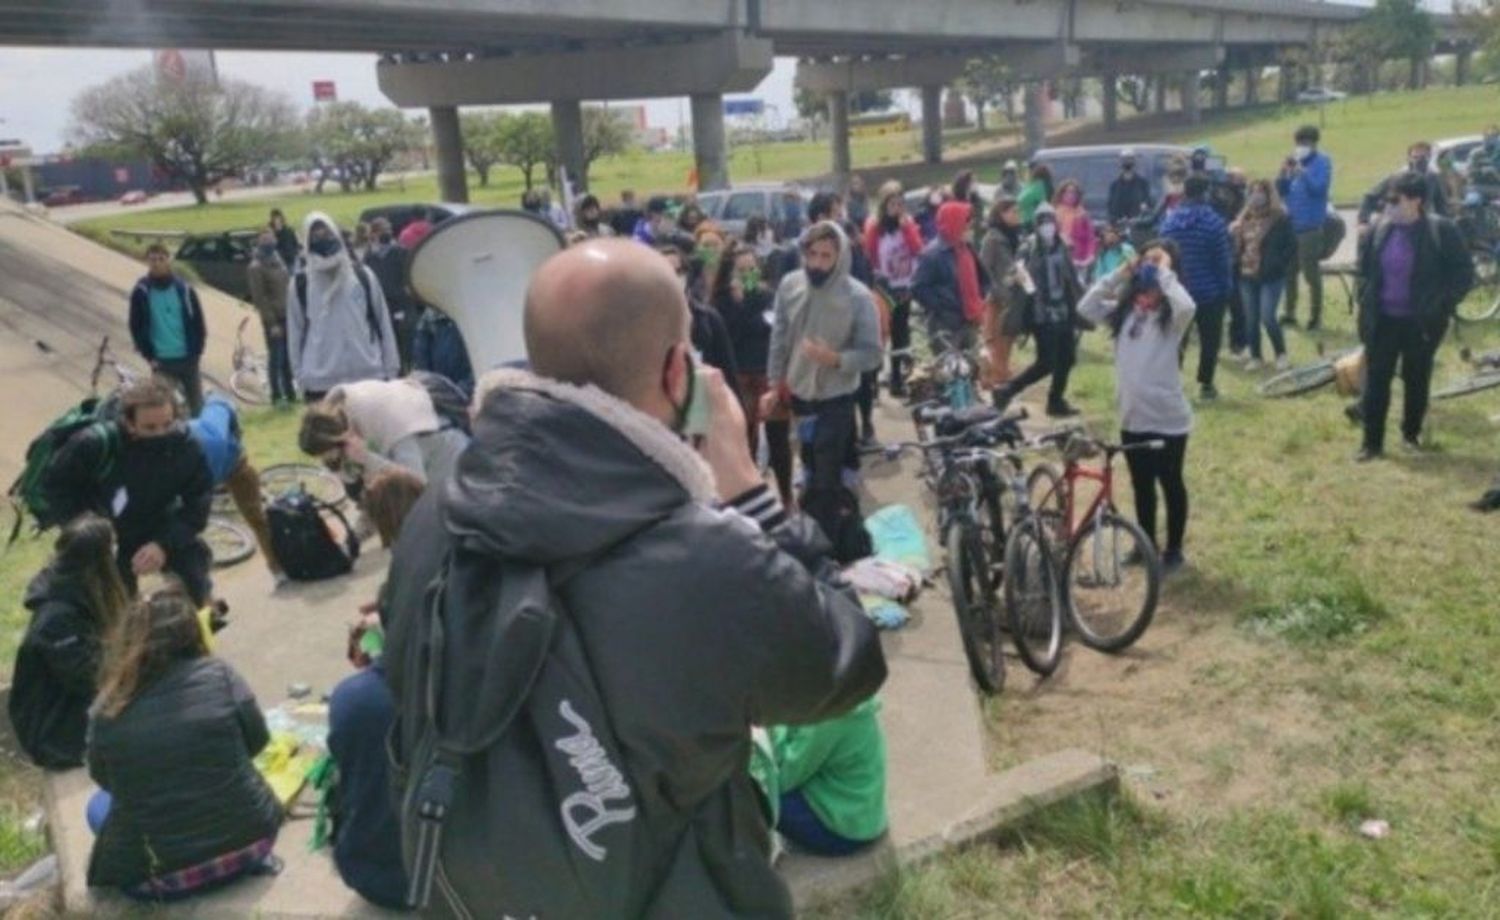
(1078, 229)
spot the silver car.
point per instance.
(785, 206)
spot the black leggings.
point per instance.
(1056, 349)
(1147, 468)
(779, 447)
(866, 398)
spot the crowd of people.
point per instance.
(595, 590)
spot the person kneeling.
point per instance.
(181, 808)
(830, 782)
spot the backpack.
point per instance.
(1334, 231)
(499, 697)
(364, 283)
(303, 542)
(27, 493)
(448, 399)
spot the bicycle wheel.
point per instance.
(976, 606)
(1033, 597)
(281, 478)
(1298, 380)
(1044, 486)
(1484, 380)
(229, 542)
(223, 503)
(1483, 303)
(1111, 583)
(251, 386)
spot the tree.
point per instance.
(1481, 19)
(527, 142)
(1394, 29)
(197, 131)
(986, 81)
(357, 141)
(606, 133)
(484, 142)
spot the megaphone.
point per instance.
(475, 268)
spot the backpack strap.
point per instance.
(351, 540)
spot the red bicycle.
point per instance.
(1111, 574)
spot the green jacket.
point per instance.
(1033, 196)
(839, 767)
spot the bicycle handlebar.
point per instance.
(892, 451)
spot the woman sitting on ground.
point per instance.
(1148, 311)
(74, 602)
(172, 742)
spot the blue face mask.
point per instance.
(1147, 276)
(324, 245)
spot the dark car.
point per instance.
(400, 215)
(220, 261)
(1095, 167)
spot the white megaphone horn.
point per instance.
(475, 268)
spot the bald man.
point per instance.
(689, 607)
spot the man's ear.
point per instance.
(678, 368)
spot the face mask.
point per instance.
(818, 277)
(750, 280)
(1147, 276)
(323, 245)
(1127, 167)
(266, 251)
(1048, 232)
(1419, 164)
(1301, 152)
(1199, 164)
(1257, 200)
(384, 239)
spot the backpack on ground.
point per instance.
(448, 399)
(27, 492)
(303, 542)
(360, 272)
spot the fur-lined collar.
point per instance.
(649, 436)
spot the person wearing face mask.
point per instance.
(1075, 225)
(684, 622)
(949, 283)
(1418, 162)
(893, 244)
(167, 327)
(1130, 192)
(338, 327)
(825, 335)
(267, 276)
(387, 261)
(1148, 311)
(708, 333)
(743, 299)
(1305, 180)
(147, 474)
(1054, 315)
(1010, 180)
(1265, 247)
(1038, 191)
(1414, 271)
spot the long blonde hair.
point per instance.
(155, 633)
(1273, 207)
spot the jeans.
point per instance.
(1210, 323)
(184, 373)
(1165, 466)
(778, 432)
(97, 810)
(825, 454)
(801, 825)
(279, 369)
(1261, 299)
(1405, 339)
(1239, 333)
(1309, 255)
(1056, 350)
(868, 383)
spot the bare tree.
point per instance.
(359, 141)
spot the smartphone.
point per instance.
(699, 416)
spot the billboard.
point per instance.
(744, 107)
(325, 91)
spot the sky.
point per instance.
(38, 84)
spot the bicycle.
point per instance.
(1486, 376)
(955, 373)
(105, 358)
(229, 542)
(1029, 574)
(1306, 378)
(249, 380)
(1111, 571)
(281, 478)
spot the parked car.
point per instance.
(63, 195)
(134, 196)
(402, 214)
(220, 260)
(1459, 149)
(1095, 167)
(1321, 94)
(785, 206)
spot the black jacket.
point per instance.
(1129, 197)
(140, 318)
(935, 285)
(1440, 280)
(692, 623)
(57, 671)
(749, 329)
(288, 247)
(1278, 252)
(711, 338)
(164, 483)
(1374, 201)
(1042, 302)
(389, 268)
(178, 765)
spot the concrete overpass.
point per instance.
(443, 54)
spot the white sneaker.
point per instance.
(1239, 354)
(1283, 363)
(1253, 364)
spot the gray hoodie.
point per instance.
(333, 340)
(841, 313)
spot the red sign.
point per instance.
(122, 175)
(324, 91)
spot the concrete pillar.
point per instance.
(1161, 93)
(448, 138)
(567, 130)
(1252, 85)
(1221, 87)
(1287, 87)
(1461, 66)
(838, 131)
(1036, 126)
(1189, 90)
(1109, 97)
(932, 124)
(28, 183)
(709, 149)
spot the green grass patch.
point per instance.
(1327, 616)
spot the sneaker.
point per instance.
(1366, 454)
(1062, 409)
(1207, 393)
(1487, 502)
(1354, 413)
(1289, 321)
(1411, 445)
(1254, 364)
(1239, 354)
(1172, 562)
(1283, 363)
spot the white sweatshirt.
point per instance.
(1148, 381)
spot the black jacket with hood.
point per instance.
(57, 671)
(1440, 279)
(693, 623)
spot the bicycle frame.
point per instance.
(1073, 473)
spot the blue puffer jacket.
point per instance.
(438, 346)
(1306, 194)
(1203, 238)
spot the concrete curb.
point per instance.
(1013, 795)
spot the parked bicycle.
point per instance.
(1307, 377)
(1485, 376)
(250, 380)
(953, 374)
(1111, 571)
